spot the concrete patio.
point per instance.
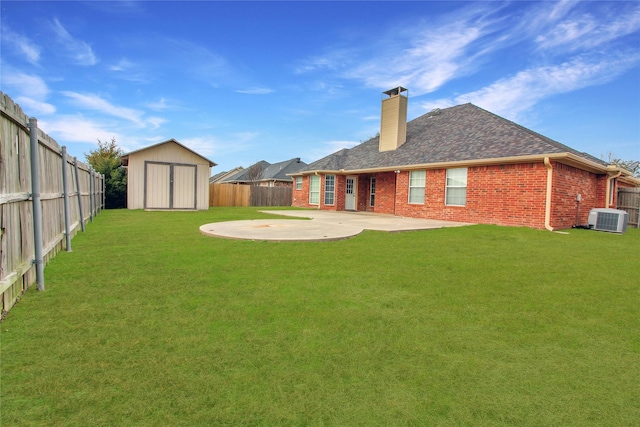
(315, 225)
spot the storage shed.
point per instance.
(167, 176)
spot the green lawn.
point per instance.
(149, 323)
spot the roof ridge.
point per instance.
(541, 136)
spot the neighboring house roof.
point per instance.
(220, 177)
(125, 158)
(270, 172)
(464, 134)
(279, 171)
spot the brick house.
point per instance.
(461, 164)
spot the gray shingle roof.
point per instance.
(456, 134)
(270, 172)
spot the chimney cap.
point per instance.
(395, 91)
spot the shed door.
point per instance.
(157, 186)
(184, 186)
(170, 186)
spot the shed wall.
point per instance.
(167, 153)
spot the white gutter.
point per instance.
(568, 158)
(547, 210)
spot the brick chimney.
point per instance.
(393, 120)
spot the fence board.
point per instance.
(17, 246)
(228, 195)
(270, 196)
(248, 195)
(629, 200)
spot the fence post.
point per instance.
(75, 165)
(65, 192)
(37, 205)
(92, 184)
(638, 216)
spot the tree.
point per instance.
(632, 166)
(106, 160)
(255, 174)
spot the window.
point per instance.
(456, 187)
(314, 190)
(329, 189)
(372, 192)
(298, 183)
(416, 186)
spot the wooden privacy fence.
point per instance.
(248, 195)
(45, 197)
(629, 200)
(228, 195)
(270, 196)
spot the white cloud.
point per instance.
(80, 51)
(25, 84)
(96, 103)
(560, 9)
(567, 32)
(75, 128)
(587, 31)
(329, 61)
(129, 71)
(205, 146)
(31, 91)
(256, 91)
(512, 96)
(122, 65)
(422, 56)
(436, 55)
(211, 145)
(158, 105)
(34, 107)
(23, 45)
(156, 122)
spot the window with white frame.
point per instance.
(314, 190)
(329, 189)
(417, 181)
(456, 187)
(298, 183)
(372, 191)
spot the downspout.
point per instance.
(607, 195)
(395, 190)
(317, 174)
(547, 211)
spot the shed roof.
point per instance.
(459, 134)
(125, 158)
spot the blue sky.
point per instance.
(240, 82)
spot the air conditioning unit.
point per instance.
(606, 219)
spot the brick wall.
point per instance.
(513, 195)
(503, 195)
(300, 198)
(568, 182)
